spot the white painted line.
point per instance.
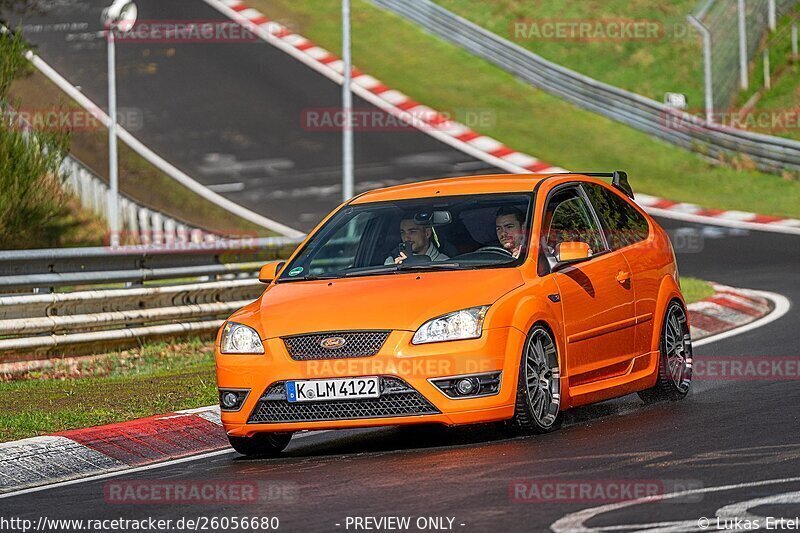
(487, 144)
(575, 522)
(712, 221)
(518, 158)
(394, 97)
(137, 469)
(227, 187)
(250, 13)
(782, 306)
(157, 161)
(317, 52)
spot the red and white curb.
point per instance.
(459, 136)
(729, 309)
(91, 451)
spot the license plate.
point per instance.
(319, 390)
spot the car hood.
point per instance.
(396, 301)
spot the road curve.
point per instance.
(724, 434)
(234, 115)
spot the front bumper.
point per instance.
(498, 349)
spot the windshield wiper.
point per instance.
(310, 277)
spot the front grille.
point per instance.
(397, 398)
(356, 344)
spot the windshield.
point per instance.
(452, 233)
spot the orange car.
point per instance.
(503, 298)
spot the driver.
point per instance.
(508, 224)
(417, 239)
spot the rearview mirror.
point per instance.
(270, 271)
(433, 218)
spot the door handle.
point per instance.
(623, 277)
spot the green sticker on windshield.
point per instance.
(296, 271)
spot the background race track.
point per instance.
(728, 432)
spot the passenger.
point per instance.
(509, 221)
(418, 240)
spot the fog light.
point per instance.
(232, 400)
(467, 386)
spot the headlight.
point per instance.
(238, 338)
(464, 324)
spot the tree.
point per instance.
(33, 206)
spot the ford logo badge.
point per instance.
(332, 343)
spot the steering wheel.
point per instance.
(495, 249)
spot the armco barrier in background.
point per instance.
(209, 283)
(769, 153)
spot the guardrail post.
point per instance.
(743, 74)
(146, 231)
(709, 87)
(169, 233)
(157, 225)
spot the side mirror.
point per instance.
(270, 271)
(572, 251)
(568, 253)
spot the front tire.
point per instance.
(675, 358)
(261, 444)
(538, 404)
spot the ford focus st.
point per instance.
(503, 298)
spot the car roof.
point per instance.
(485, 184)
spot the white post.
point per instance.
(767, 79)
(794, 40)
(773, 19)
(113, 206)
(743, 77)
(709, 87)
(347, 107)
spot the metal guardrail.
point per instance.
(769, 153)
(44, 270)
(210, 282)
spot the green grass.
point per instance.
(695, 289)
(672, 61)
(451, 80)
(783, 98)
(154, 379)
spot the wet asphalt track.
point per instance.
(725, 433)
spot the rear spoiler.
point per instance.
(619, 179)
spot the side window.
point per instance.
(340, 250)
(569, 218)
(624, 224)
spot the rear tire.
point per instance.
(675, 358)
(261, 444)
(538, 404)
